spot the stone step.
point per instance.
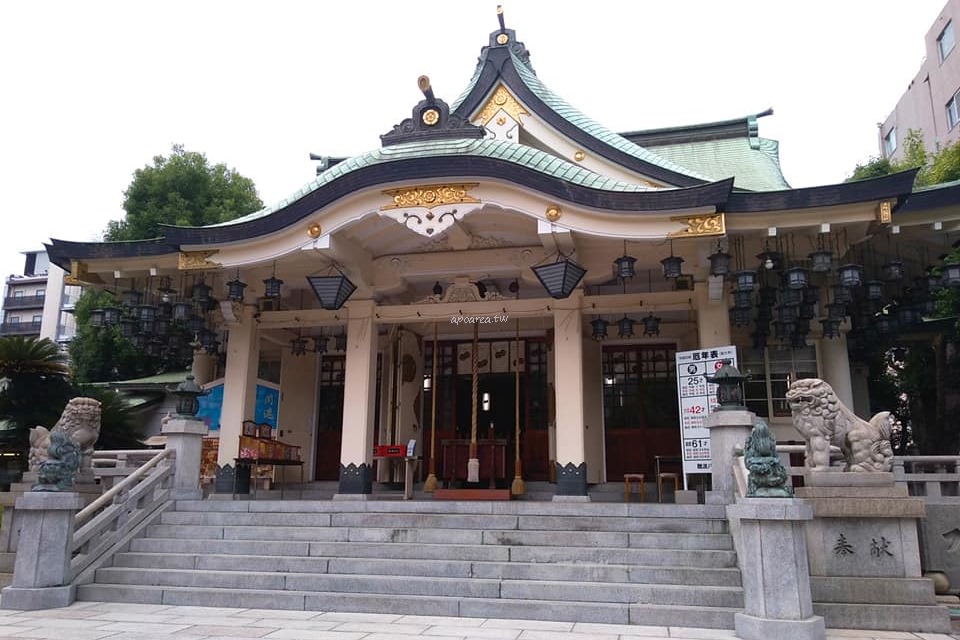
(637, 524)
(409, 550)
(669, 512)
(569, 611)
(427, 535)
(895, 617)
(575, 572)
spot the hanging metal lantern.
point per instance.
(950, 275)
(235, 290)
(790, 296)
(560, 278)
(746, 280)
(836, 311)
(764, 315)
(796, 278)
(146, 312)
(811, 294)
(182, 311)
(719, 263)
(885, 324)
(831, 327)
(161, 326)
(130, 298)
(96, 317)
(789, 312)
(651, 325)
(320, 344)
(821, 261)
(625, 327)
(798, 341)
(759, 339)
(175, 341)
(742, 298)
(850, 275)
(271, 287)
(195, 323)
(154, 348)
(201, 293)
(139, 340)
(128, 327)
(842, 294)
(148, 327)
(298, 346)
(934, 280)
(340, 342)
(908, 315)
(332, 291)
(808, 311)
(111, 316)
(741, 316)
(624, 267)
(783, 330)
(599, 326)
(874, 290)
(928, 307)
(893, 271)
(672, 267)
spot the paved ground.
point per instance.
(95, 620)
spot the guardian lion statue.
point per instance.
(823, 420)
(81, 421)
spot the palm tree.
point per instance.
(34, 386)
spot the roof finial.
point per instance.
(424, 83)
(503, 25)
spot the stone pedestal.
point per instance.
(729, 431)
(865, 556)
(185, 437)
(41, 577)
(776, 585)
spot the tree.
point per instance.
(102, 354)
(182, 189)
(36, 385)
(915, 156)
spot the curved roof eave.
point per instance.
(61, 252)
(896, 185)
(497, 63)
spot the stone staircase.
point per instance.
(650, 564)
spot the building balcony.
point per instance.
(23, 302)
(19, 328)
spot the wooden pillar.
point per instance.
(359, 393)
(239, 384)
(571, 465)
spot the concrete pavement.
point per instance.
(118, 621)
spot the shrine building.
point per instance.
(506, 277)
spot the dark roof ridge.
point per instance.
(744, 127)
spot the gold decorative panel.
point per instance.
(79, 275)
(699, 226)
(197, 260)
(885, 212)
(430, 196)
(501, 99)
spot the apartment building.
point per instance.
(38, 302)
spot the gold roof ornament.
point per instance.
(700, 226)
(501, 99)
(190, 260)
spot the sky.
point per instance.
(91, 91)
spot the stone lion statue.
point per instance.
(823, 420)
(57, 471)
(81, 421)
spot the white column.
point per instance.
(835, 367)
(568, 353)
(359, 393)
(713, 318)
(239, 384)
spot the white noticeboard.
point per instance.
(697, 399)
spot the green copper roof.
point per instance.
(753, 167)
(500, 149)
(594, 129)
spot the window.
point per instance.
(953, 113)
(890, 142)
(640, 387)
(37, 319)
(18, 293)
(771, 371)
(40, 293)
(945, 41)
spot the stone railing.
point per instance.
(111, 466)
(113, 518)
(928, 476)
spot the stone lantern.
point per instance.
(729, 383)
(188, 393)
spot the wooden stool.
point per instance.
(631, 479)
(667, 475)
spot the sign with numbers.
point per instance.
(698, 398)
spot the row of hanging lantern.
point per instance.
(320, 344)
(624, 269)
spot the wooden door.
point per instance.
(641, 418)
(329, 418)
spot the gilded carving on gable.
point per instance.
(430, 196)
(501, 99)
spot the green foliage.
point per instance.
(914, 156)
(182, 189)
(102, 354)
(119, 426)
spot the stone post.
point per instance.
(773, 565)
(185, 437)
(41, 575)
(729, 429)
